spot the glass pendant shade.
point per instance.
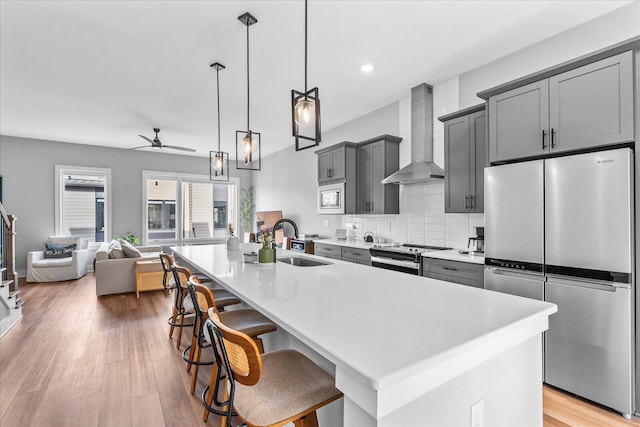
(218, 166)
(305, 112)
(248, 150)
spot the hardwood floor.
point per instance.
(78, 360)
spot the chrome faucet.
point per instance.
(273, 233)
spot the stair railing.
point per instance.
(8, 247)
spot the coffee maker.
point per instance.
(476, 244)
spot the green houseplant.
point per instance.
(129, 237)
(247, 206)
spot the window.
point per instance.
(161, 209)
(82, 202)
(183, 208)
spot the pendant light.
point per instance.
(218, 160)
(247, 141)
(305, 107)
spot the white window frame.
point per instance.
(180, 178)
(60, 172)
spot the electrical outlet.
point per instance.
(477, 414)
(326, 223)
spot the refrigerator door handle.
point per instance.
(517, 274)
(577, 282)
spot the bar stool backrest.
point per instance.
(240, 354)
(166, 261)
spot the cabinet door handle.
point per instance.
(329, 173)
(466, 201)
(553, 142)
(449, 268)
(543, 135)
(371, 207)
(472, 203)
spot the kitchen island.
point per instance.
(404, 350)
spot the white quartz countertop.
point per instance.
(396, 334)
(454, 255)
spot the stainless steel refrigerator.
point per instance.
(561, 230)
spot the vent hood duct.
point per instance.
(421, 169)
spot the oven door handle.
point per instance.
(398, 262)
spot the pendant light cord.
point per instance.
(218, 91)
(248, 128)
(305, 46)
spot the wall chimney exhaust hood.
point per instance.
(421, 169)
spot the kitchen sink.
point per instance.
(301, 261)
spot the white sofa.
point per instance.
(116, 276)
(41, 269)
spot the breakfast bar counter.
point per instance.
(407, 350)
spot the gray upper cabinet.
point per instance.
(375, 160)
(592, 105)
(588, 106)
(464, 144)
(332, 162)
(518, 122)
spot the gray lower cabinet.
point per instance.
(344, 253)
(356, 255)
(585, 107)
(464, 273)
(375, 160)
(328, 251)
(465, 147)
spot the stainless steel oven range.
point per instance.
(405, 258)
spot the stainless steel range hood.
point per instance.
(421, 169)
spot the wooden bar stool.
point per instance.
(252, 322)
(181, 276)
(272, 389)
(179, 311)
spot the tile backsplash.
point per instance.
(422, 219)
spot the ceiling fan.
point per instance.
(155, 143)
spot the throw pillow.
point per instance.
(129, 250)
(115, 250)
(58, 251)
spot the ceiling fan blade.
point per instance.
(137, 148)
(178, 148)
(144, 137)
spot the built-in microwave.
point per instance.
(331, 199)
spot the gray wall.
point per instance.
(28, 167)
(604, 31)
(289, 179)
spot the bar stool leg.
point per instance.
(212, 386)
(259, 344)
(174, 317)
(310, 420)
(194, 375)
(180, 331)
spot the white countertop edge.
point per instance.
(454, 255)
(390, 394)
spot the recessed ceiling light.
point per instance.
(367, 68)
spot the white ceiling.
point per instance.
(102, 72)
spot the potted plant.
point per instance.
(265, 254)
(129, 237)
(247, 206)
(232, 241)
